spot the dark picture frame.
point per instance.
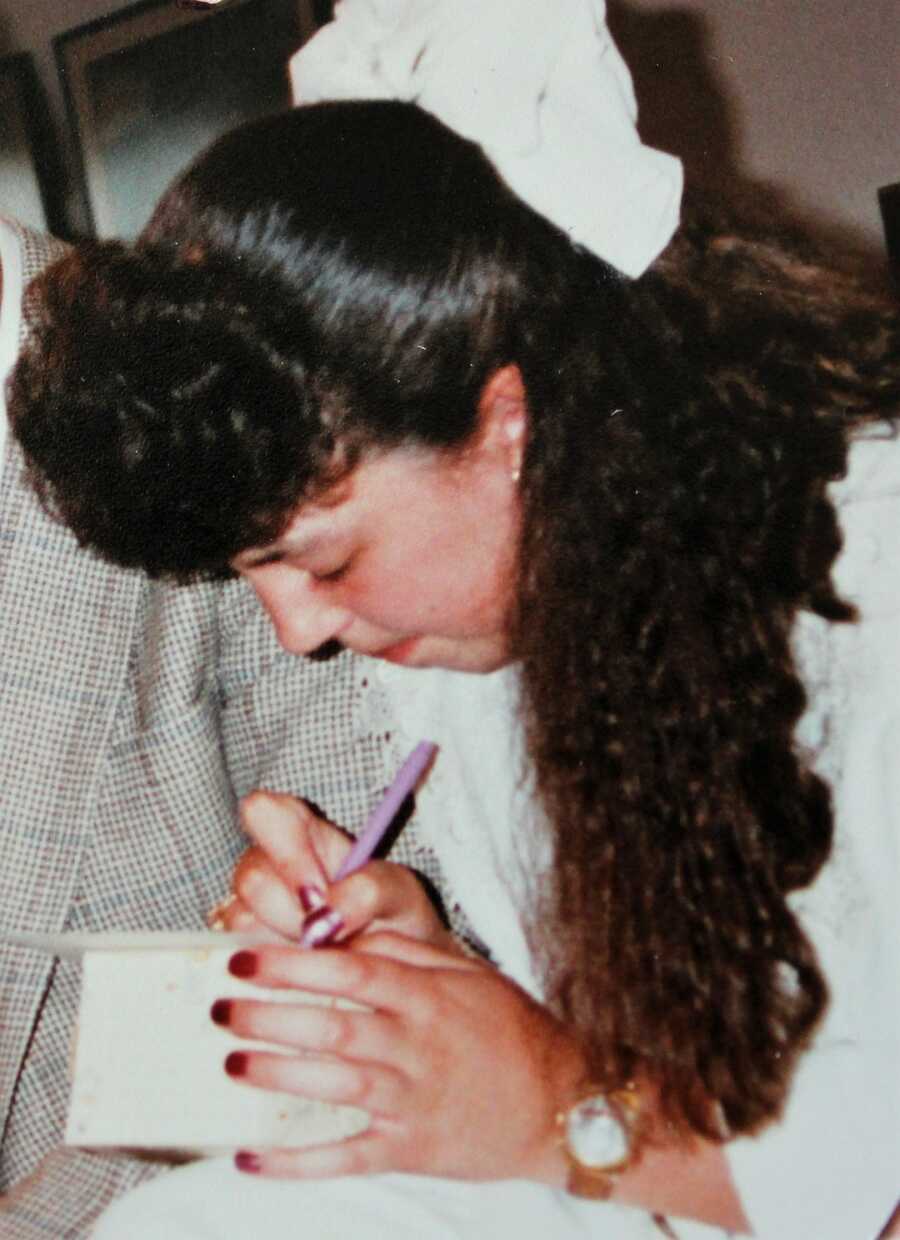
(29, 175)
(149, 86)
(889, 205)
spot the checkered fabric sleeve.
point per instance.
(133, 715)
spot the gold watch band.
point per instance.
(588, 1182)
(624, 1107)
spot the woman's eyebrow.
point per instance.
(255, 558)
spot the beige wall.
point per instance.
(802, 96)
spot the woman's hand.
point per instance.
(281, 883)
(461, 1072)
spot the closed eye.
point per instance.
(334, 574)
(270, 557)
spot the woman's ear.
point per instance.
(503, 416)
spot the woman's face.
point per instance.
(410, 559)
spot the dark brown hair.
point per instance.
(348, 276)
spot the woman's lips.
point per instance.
(399, 652)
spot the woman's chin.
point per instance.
(403, 653)
(469, 654)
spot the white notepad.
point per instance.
(148, 1059)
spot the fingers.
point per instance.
(354, 1034)
(364, 1154)
(385, 972)
(383, 894)
(260, 891)
(301, 846)
(375, 1088)
(421, 1058)
(284, 879)
(422, 955)
(294, 852)
(234, 915)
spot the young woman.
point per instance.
(348, 362)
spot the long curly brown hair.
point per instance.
(347, 277)
(668, 546)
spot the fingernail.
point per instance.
(243, 964)
(321, 927)
(236, 1063)
(220, 1012)
(245, 1161)
(311, 897)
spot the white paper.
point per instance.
(149, 1060)
(72, 944)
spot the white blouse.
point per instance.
(10, 313)
(830, 1168)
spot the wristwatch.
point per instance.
(600, 1136)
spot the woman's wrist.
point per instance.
(687, 1180)
(661, 1171)
(566, 1087)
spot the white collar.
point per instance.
(10, 314)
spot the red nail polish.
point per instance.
(243, 964)
(220, 1012)
(236, 1063)
(245, 1161)
(311, 897)
(321, 927)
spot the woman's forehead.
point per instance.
(309, 528)
(372, 490)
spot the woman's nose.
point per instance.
(302, 621)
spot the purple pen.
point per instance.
(383, 814)
(323, 924)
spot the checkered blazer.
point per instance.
(132, 715)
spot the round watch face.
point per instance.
(597, 1135)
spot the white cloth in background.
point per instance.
(476, 807)
(212, 1201)
(831, 1169)
(539, 85)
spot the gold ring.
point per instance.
(215, 919)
